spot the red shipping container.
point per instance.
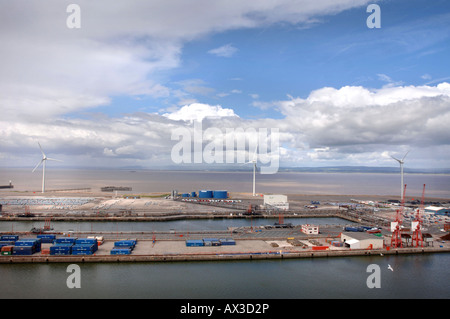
(320, 247)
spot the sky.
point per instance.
(112, 91)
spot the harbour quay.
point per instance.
(255, 245)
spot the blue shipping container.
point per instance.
(227, 241)
(120, 251)
(9, 237)
(24, 250)
(125, 243)
(6, 243)
(62, 249)
(221, 194)
(47, 238)
(65, 240)
(86, 241)
(205, 194)
(194, 243)
(33, 242)
(84, 248)
(82, 252)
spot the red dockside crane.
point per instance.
(417, 239)
(396, 239)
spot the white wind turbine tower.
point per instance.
(401, 162)
(43, 160)
(254, 161)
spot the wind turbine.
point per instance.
(401, 162)
(253, 161)
(43, 160)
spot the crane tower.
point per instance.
(396, 228)
(416, 225)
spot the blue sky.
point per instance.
(112, 92)
(272, 62)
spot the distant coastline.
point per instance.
(227, 168)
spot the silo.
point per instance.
(221, 194)
(205, 194)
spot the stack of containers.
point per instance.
(227, 241)
(121, 251)
(7, 243)
(47, 238)
(9, 238)
(7, 250)
(194, 243)
(85, 246)
(27, 246)
(211, 242)
(123, 247)
(62, 246)
(61, 249)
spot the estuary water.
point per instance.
(141, 181)
(414, 276)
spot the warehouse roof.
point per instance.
(436, 208)
(361, 235)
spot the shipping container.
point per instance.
(65, 240)
(7, 250)
(194, 243)
(6, 243)
(354, 229)
(30, 242)
(87, 248)
(205, 194)
(220, 194)
(125, 243)
(82, 252)
(9, 238)
(24, 250)
(120, 251)
(61, 249)
(320, 247)
(227, 241)
(47, 238)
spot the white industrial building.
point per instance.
(438, 210)
(361, 240)
(279, 202)
(310, 229)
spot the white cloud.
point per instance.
(199, 111)
(225, 51)
(350, 116)
(49, 72)
(315, 131)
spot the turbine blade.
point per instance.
(396, 159)
(53, 159)
(254, 154)
(42, 151)
(405, 155)
(37, 165)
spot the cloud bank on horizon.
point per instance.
(110, 93)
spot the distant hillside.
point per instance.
(364, 169)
